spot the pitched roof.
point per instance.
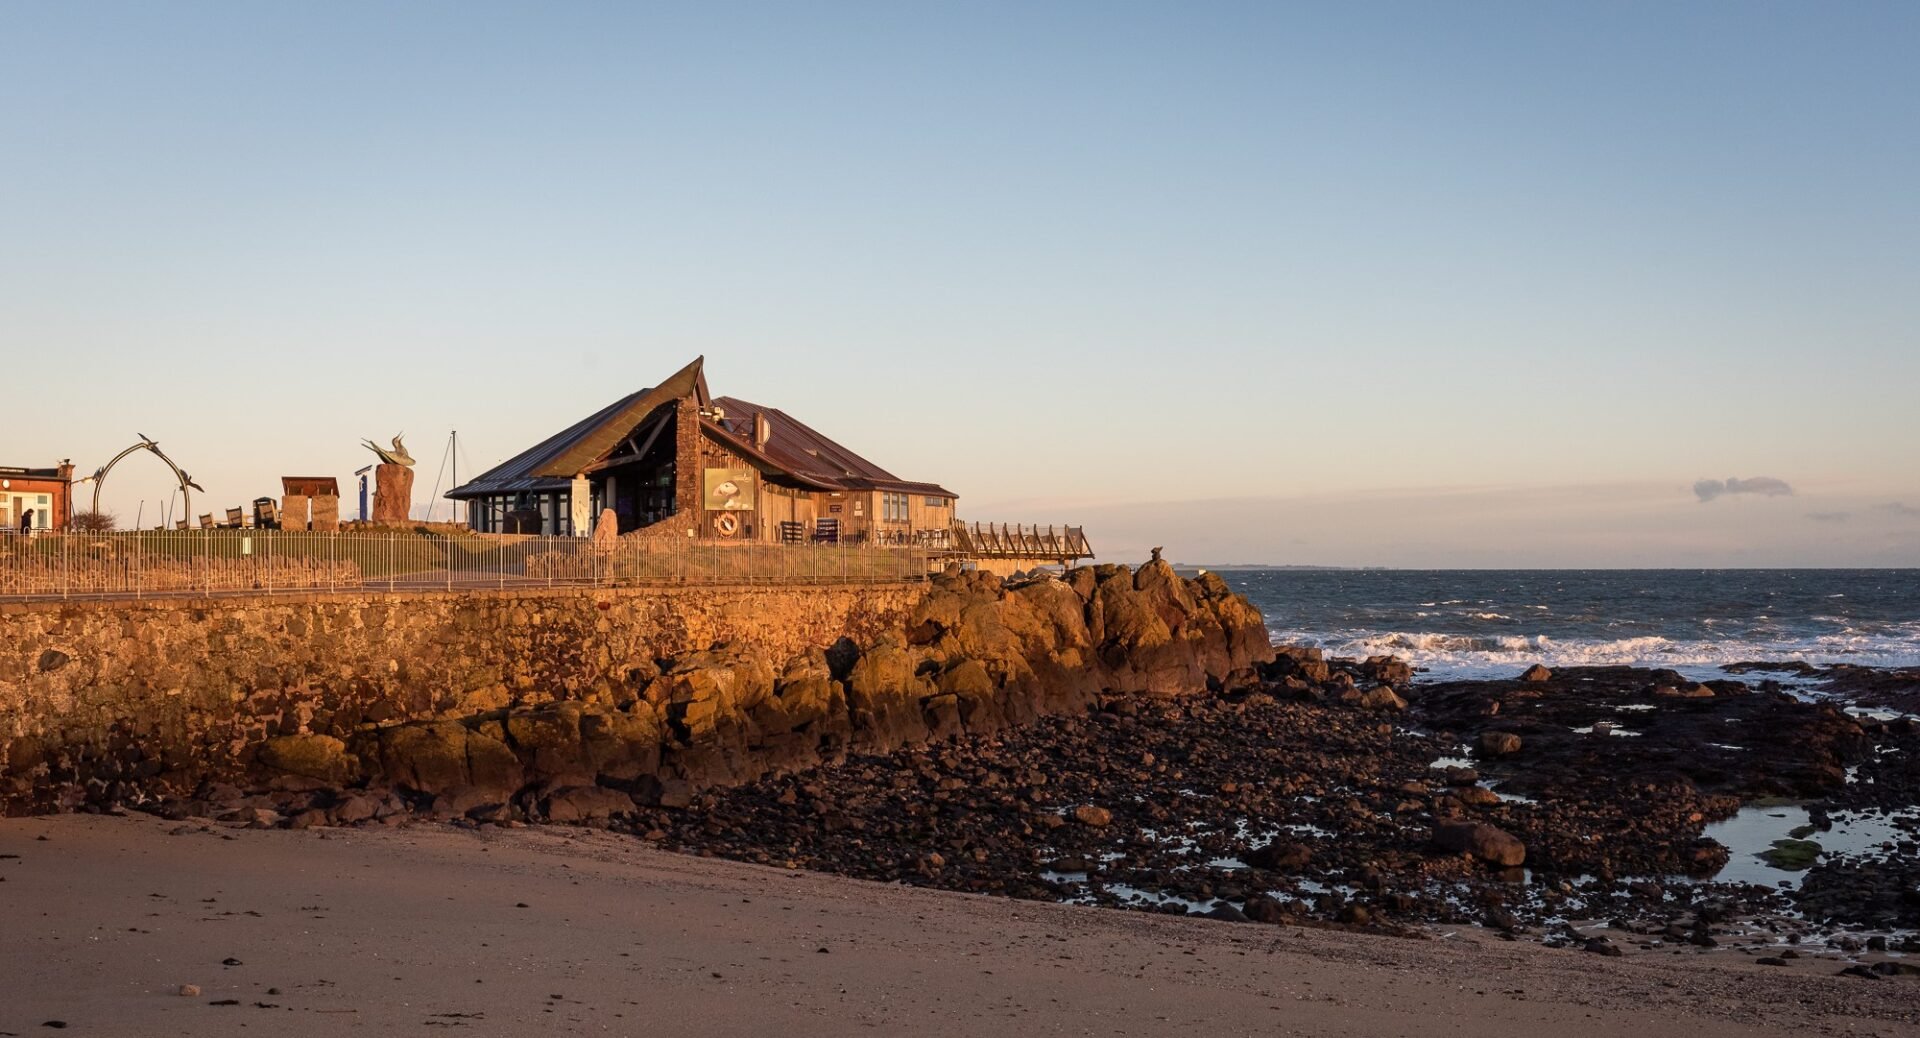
(600, 440)
(522, 472)
(796, 447)
(793, 448)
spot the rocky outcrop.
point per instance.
(975, 654)
(1483, 842)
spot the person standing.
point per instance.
(26, 521)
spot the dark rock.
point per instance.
(1227, 913)
(1485, 842)
(1499, 744)
(353, 809)
(1280, 856)
(585, 804)
(1090, 814)
(1601, 946)
(1263, 909)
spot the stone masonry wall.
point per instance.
(511, 705)
(208, 678)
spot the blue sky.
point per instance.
(1257, 282)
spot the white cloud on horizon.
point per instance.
(1765, 486)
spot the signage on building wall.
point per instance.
(729, 490)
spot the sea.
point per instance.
(1495, 623)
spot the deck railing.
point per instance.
(1063, 544)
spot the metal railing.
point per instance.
(156, 563)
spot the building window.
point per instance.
(936, 502)
(894, 507)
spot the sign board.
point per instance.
(729, 490)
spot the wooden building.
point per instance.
(676, 461)
(46, 493)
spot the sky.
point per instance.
(1468, 284)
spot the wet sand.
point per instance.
(568, 931)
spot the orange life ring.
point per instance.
(727, 524)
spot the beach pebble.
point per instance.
(190, 990)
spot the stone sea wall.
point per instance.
(497, 701)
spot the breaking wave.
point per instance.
(1495, 623)
(1477, 655)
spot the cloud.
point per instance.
(1829, 517)
(1766, 486)
(1899, 509)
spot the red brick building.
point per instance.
(46, 493)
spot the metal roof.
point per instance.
(796, 447)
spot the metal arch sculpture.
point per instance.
(146, 444)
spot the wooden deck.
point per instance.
(1062, 544)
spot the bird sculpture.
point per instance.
(397, 456)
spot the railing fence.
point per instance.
(153, 563)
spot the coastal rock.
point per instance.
(353, 809)
(1382, 699)
(1092, 815)
(426, 758)
(1601, 946)
(1499, 744)
(463, 803)
(585, 804)
(1280, 856)
(884, 693)
(1263, 909)
(1484, 842)
(1536, 673)
(320, 757)
(1390, 670)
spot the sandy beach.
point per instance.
(554, 930)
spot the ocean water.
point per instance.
(1493, 623)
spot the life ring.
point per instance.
(727, 524)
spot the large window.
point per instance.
(893, 507)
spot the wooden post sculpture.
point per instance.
(392, 483)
